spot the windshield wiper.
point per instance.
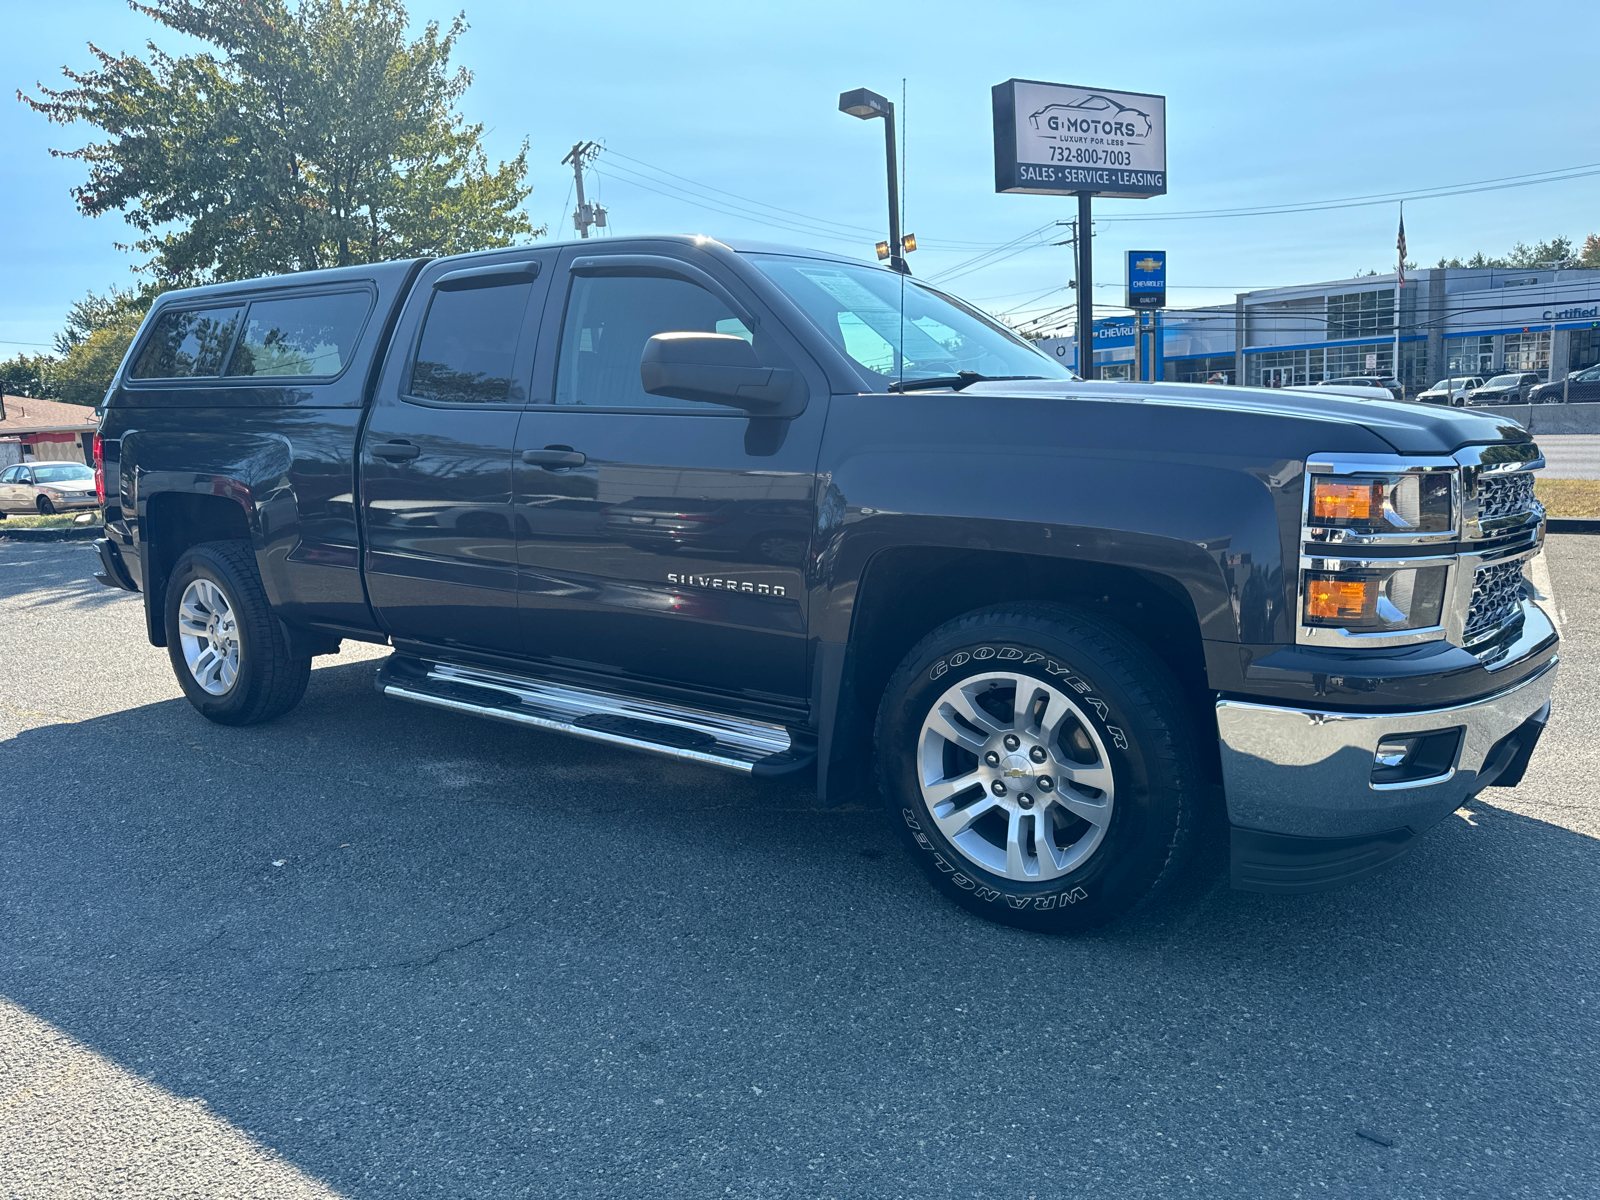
(959, 380)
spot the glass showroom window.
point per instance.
(1352, 360)
(1360, 314)
(1583, 349)
(1468, 356)
(1528, 351)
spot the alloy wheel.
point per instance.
(1014, 775)
(209, 635)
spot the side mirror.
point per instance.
(719, 368)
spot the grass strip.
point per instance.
(1569, 497)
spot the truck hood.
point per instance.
(1409, 428)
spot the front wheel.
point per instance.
(227, 649)
(1040, 765)
(46, 509)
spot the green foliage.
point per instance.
(312, 135)
(1591, 252)
(29, 375)
(83, 376)
(1522, 255)
(97, 334)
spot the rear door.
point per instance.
(9, 491)
(441, 547)
(663, 539)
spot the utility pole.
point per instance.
(585, 215)
(1072, 240)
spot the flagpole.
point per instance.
(1399, 284)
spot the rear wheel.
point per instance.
(1040, 765)
(227, 649)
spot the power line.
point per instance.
(1558, 175)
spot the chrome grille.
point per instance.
(1505, 495)
(1496, 590)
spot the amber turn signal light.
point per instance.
(1347, 501)
(1329, 598)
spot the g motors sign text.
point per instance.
(1056, 139)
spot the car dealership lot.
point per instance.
(375, 950)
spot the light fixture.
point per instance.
(868, 105)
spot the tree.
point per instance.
(98, 332)
(313, 135)
(28, 375)
(1522, 255)
(1591, 251)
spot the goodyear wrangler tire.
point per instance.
(1040, 765)
(227, 649)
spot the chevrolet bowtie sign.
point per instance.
(1056, 139)
(1147, 279)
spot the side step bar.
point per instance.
(733, 743)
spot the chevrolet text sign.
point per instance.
(1053, 139)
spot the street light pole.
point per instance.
(868, 105)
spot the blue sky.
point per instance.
(1267, 104)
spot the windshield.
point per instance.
(64, 473)
(859, 309)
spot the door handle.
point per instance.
(396, 451)
(554, 458)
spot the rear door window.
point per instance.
(469, 345)
(187, 343)
(300, 335)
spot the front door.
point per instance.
(662, 539)
(441, 547)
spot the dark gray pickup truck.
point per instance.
(791, 515)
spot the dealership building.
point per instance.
(1453, 321)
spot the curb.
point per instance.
(1572, 525)
(68, 533)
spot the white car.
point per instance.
(46, 488)
(1454, 391)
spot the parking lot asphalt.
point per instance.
(372, 950)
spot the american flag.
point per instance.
(1400, 245)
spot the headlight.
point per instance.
(1372, 597)
(1377, 505)
(1367, 567)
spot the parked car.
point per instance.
(1454, 391)
(792, 515)
(1388, 382)
(46, 488)
(1582, 387)
(1512, 388)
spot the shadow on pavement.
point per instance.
(495, 963)
(54, 573)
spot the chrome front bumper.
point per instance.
(1308, 773)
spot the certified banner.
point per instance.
(1056, 139)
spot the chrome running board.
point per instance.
(674, 731)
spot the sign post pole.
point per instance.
(1056, 139)
(1085, 289)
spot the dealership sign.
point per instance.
(1054, 139)
(1147, 279)
(1110, 333)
